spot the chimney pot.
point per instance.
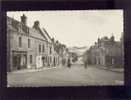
(24, 19)
(36, 24)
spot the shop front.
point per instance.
(19, 60)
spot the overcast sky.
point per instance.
(78, 27)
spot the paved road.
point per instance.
(63, 76)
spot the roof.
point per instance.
(42, 33)
(47, 35)
(33, 32)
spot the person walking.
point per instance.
(85, 64)
(69, 63)
(63, 62)
(85, 60)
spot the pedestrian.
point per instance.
(69, 63)
(85, 64)
(85, 61)
(63, 62)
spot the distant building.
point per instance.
(107, 52)
(29, 47)
(65, 57)
(63, 52)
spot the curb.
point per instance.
(33, 70)
(109, 69)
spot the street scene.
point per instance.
(77, 75)
(65, 48)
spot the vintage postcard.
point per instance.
(65, 48)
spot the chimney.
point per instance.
(112, 38)
(24, 19)
(98, 40)
(36, 24)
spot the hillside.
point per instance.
(78, 50)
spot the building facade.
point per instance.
(29, 47)
(106, 52)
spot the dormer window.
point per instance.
(15, 24)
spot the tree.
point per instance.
(74, 56)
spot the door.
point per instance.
(16, 62)
(19, 60)
(54, 62)
(23, 61)
(43, 60)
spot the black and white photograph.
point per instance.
(65, 48)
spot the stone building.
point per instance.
(65, 56)
(29, 47)
(63, 52)
(107, 52)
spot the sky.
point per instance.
(76, 27)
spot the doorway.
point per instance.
(19, 60)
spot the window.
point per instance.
(43, 49)
(30, 59)
(39, 48)
(20, 42)
(50, 59)
(28, 43)
(50, 50)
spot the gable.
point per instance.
(35, 33)
(47, 35)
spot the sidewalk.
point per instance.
(34, 70)
(119, 70)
